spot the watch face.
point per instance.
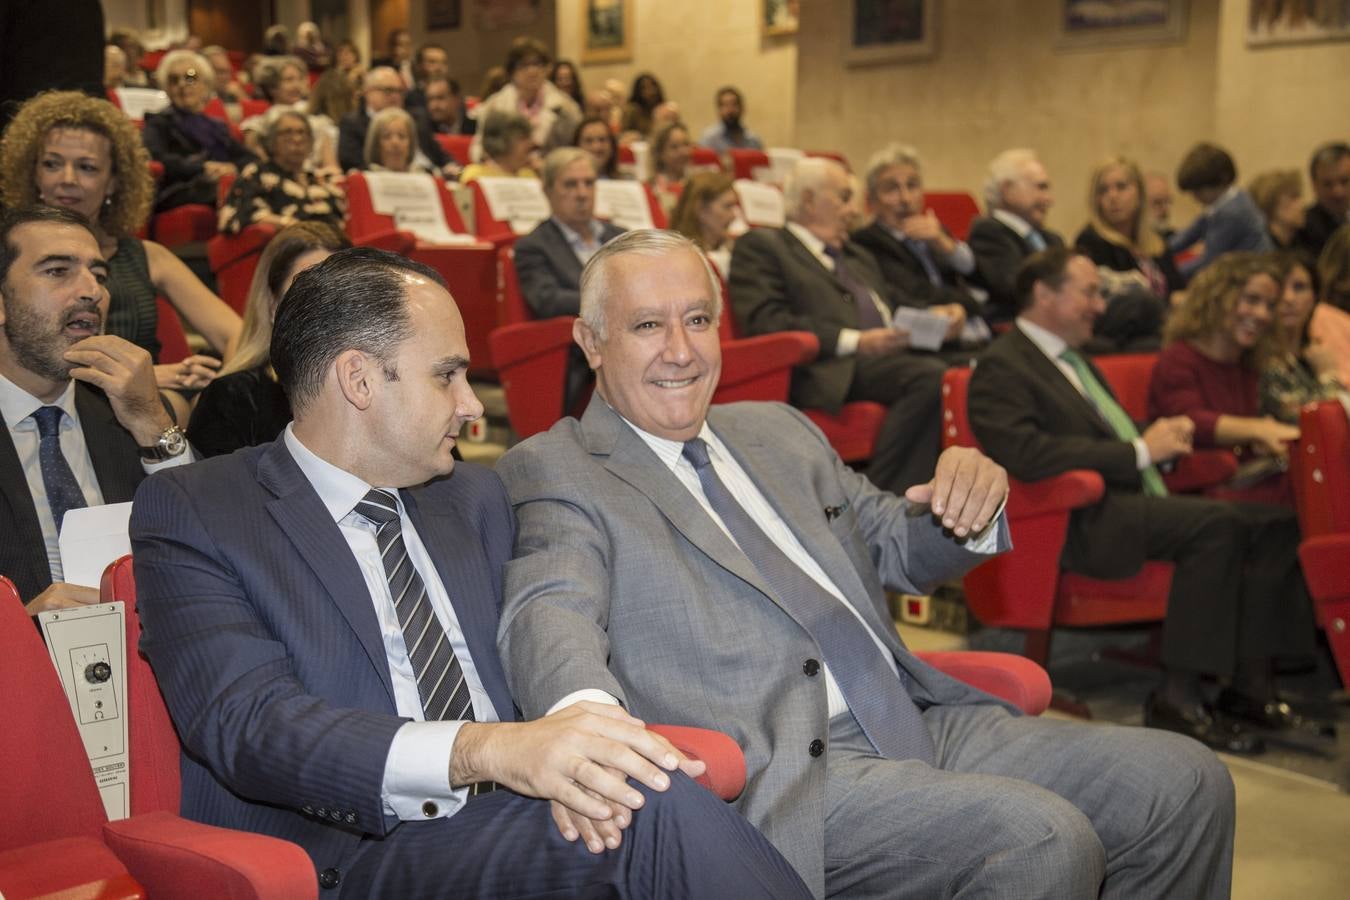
(173, 441)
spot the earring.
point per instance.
(107, 201)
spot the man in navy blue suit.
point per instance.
(321, 614)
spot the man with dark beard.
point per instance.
(84, 421)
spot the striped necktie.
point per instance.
(1116, 417)
(63, 490)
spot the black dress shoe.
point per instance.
(1195, 720)
(1274, 714)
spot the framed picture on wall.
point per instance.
(606, 31)
(1105, 23)
(882, 31)
(1296, 22)
(504, 15)
(778, 17)
(442, 15)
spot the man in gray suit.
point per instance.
(722, 567)
(549, 259)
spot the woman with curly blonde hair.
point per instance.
(66, 149)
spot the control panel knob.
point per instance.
(97, 672)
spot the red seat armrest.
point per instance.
(725, 775)
(174, 857)
(1007, 676)
(1200, 470)
(1058, 493)
(224, 249)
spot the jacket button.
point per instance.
(307, 810)
(351, 818)
(811, 667)
(817, 747)
(335, 815)
(430, 809)
(321, 812)
(329, 878)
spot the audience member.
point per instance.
(1279, 196)
(1158, 193)
(285, 189)
(1218, 343)
(445, 107)
(245, 406)
(960, 795)
(430, 61)
(1041, 408)
(1329, 172)
(1017, 198)
(549, 259)
(553, 116)
(114, 67)
(594, 136)
(70, 150)
(396, 770)
(390, 144)
(1331, 319)
(645, 97)
(494, 79)
(1303, 370)
(277, 41)
(919, 259)
(507, 148)
(1230, 220)
(195, 149)
(383, 90)
(330, 98)
(707, 209)
(671, 149)
(600, 105)
(729, 132)
(284, 82)
(310, 47)
(567, 79)
(347, 60)
(794, 279)
(84, 421)
(1138, 276)
(398, 57)
(224, 84)
(129, 42)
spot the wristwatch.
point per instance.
(170, 444)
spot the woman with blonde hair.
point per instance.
(671, 150)
(1279, 196)
(391, 144)
(245, 406)
(705, 213)
(64, 148)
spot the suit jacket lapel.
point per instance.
(564, 256)
(451, 540)
(23, 518)
(1051, 376)
(812, 263)
(117, 469)
(305, 520)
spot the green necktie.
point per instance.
(1115, 417)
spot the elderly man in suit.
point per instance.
(84, 420)
(549, 259)
(721, 565)
(383, 89)
(321, 613)
(808, 276)
(1017, 198)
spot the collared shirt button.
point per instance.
(430, 809)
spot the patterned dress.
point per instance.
(264, 192)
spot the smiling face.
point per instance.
(1331, 184)
(1118, 199)
(1296, 304)
(675, 155)
(74, 170)
(899, 194)
(290, 86)
(1071, 310)
(51, 298)
(1028, 195)
(716, 216)
(1253, 313)
(660, 358)
(186, 86)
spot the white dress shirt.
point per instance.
(961, 259)
(18, 407)
(847, 344)
(583, 245)
(417, 770)
(757, 506)
(1052, 345)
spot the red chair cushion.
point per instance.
(80, 867)
(725, 775)
(853, 431)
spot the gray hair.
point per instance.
(808, 174)
(1005, 167)
(893, 154)
(191, 57)
(561, 158)
(272, 121)
(382, 120)
(270, 70)
(645, 242)
(499, 128)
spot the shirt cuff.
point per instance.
(1142, 458)
(986, 542)
(416, 783)
(962, 259)
(182, 459)
(595, 695)
(847, 345)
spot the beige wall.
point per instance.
(473, 52)
(694, 47)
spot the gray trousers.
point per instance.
(1022, 807)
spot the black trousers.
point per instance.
(907, 447)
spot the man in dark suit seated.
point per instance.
(1237, 596)
(383, 89)
(808, 276)
(722, 564)
(549, 259)
(445, 107)
(321, 615)
(1329, 172)
(83, 416)
(430, 61)
(1017, 197)
(919, 259)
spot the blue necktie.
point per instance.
(868, 316)
(878, 700)
(63, 491)
(920, 249)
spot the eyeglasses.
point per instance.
(189, 77)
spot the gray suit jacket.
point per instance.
(622, 582)
(549, 271)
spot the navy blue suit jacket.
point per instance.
(266, 645)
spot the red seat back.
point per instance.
(363, 221)
(1320, 466)
(531, 361)
(173, 342)
(1129, 375)
(498, 231)
(234, 259)
(744, 162)
(511, 305)
(954, 209)
(703, 159)
(250, 108)
(457, 145)
(760, 368)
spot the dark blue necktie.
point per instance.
(920, 249)
(868, 316)
(63, 491)
(878, 700)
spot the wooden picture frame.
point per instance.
(606, 31)
(886, 31)
(443, 15)
(778, 18)
(1089, 24)
(1271, 24)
